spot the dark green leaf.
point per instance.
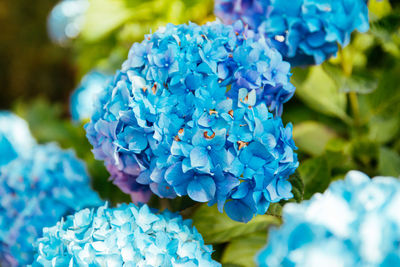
(242, 251)
(386, 30)
(217, 227)
(315, 173)
(389, 162)
(338, 155)
(297, 186)
(275, 209)
(365, 154)
(384, 101)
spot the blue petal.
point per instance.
(199, 159)
(202, 188)
(237, 210)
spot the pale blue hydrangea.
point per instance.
(356, 222)
(35, 192)
(66, 20)
(83, 98)
(188, 115)
(304, 31)
(124, 236)
(15, 137)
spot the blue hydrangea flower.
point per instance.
(66, 20)
(35, 192)
(125, 236)
(15, 137)
(83, 98)
(188, 115)
(356, 222)
(304, 31)
(251, 12)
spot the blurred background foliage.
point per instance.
(346, 112)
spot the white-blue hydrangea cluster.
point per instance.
(188, 115)
(35, 192)
(84, 97)
(66, 20)
(356, 222)
(124, 236)
(304, 31)
(15, 137)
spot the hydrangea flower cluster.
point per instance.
(251, 12)
(15, 137)
(83, 98)
(36, 191)
(66, 20)
(188, 115)
(304, 31)
(123, 236)
(356, 222)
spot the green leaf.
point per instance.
(311, 137)
(181, 203)
(338, 155)
(384, 100)
(383, 129)
(386, 30)
(389, 162)
(365, 154)
(300, 74)
(364, 149)
(322, 94)
(217, 227)
(359, 82)
(103, 17)
(379, 8)
(275, 209)
(315, 173)
(242, 251)
(297, 187)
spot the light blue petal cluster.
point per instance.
(304, 31)
(15, 137)
(125, 236)
(356, 222)
(35, 192)
(83, 98)
(188, 115)
(66, 20)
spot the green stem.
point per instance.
(355, 107)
